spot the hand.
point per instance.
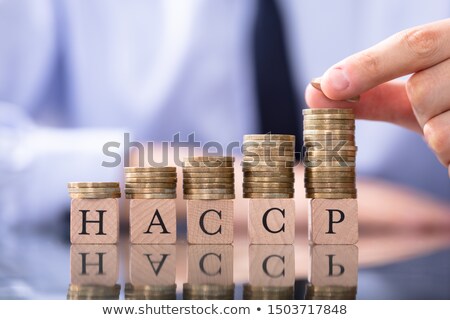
(421, 104)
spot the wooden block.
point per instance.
(94, 221)
(210, 264)
(271, 221)
(210, 221)
(94, 264)
(333, 265)
(333, 221)
(153, 265)
(153, 221)
(272, 265)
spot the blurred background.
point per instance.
(75, 75)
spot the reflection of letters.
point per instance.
(84, 263)
(159, 264)
(265, 269)
(335, 265)
(265, 216)
(160, 222)
(331, 221)
(99, 221)
(202, 222)
(201, 264)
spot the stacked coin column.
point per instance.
(329, 140)
(208, 185)
(268, 167)
(94, 212)
(152, 193)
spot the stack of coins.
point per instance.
(268, 166)
(330, 293)
(208, 292)
(94, 190)
(330, 153)
(93, 292)
(208, 178)
(150, 292)
(151, 183)
(268, 293)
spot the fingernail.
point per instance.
(338, 79)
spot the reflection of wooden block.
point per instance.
(272, 265)
(94, 264)
(152, 265)
(210, 221)
(333, 265)
(94, 220)
(333, 221)
(271, 221)
(153, 221)
(210, 264)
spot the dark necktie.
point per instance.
(278, 104)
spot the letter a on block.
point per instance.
(333, 221)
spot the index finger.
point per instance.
(404, 53)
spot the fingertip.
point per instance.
(336, 83)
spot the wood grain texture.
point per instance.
(92, 264)
(210, 264)
(95, 210)
(152, 264)
(210, 221)
(333, 221)
(271, 265)
(153, 221)
(271, 221)
(333, 265)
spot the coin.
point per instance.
(341, 116)
(208, 196)
(327, 111)
(266, 185)
(94, 190)
(330, 190)
(268, 179)
(269, 190)
(275, 170)
(150, 196)
(207, 180)
(286, 174)
(329, 174)
(331, 195)
(209, 191)
(207, 164)
(328, 169)
(209, 158)
(208, 175)
(330, 185)
(279, 137)
(331, 153)
(268, 195)
(267, 158)
(149, 169)
(207, 185)
(271, 164)
(327, 131)
(329, 122)
(150, 185)
(95, 195)
(150, 174)
(93, 185)
(329, 179)
(208, 170)
(316, 84)
(153, 179)
(330, 127)
(151, 190)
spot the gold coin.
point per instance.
(93, 185)
(151, 190)
(279, 137)
(208, 175)
(326, 131)
(208, 170)
(209, 158)
(94, 190)
(271, 164)
(269, 190)
(330, 190)
(327, 111)
(328, 169)
(95, 195)
(268, 179)
(207, 180)
(274, 170)
(256, 158)
(341, 116)
(149, 169)
(208, 196)
(150, 196)
(333, 185)
(153, 179)
(334, 164)
(321, 127)
(209, 191)
(150, 174)
(329, 180)
(261, 195)
(150, 185)
(325, 146)
(329, 122)
(329, 174)
(287, 174)
(267, 185)
(331, 195)
(208, 185)
(316, 84)
(331, 153)
(207, 164)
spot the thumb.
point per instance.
(385, 102)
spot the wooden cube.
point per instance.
(153, 265)
(272, 265)
(153, 221)
(210, 221)
(210, 264)
(94, 264)
(333, 221)
(94, 221)
(271, 221)
(333, 265)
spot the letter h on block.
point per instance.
(94, 221)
